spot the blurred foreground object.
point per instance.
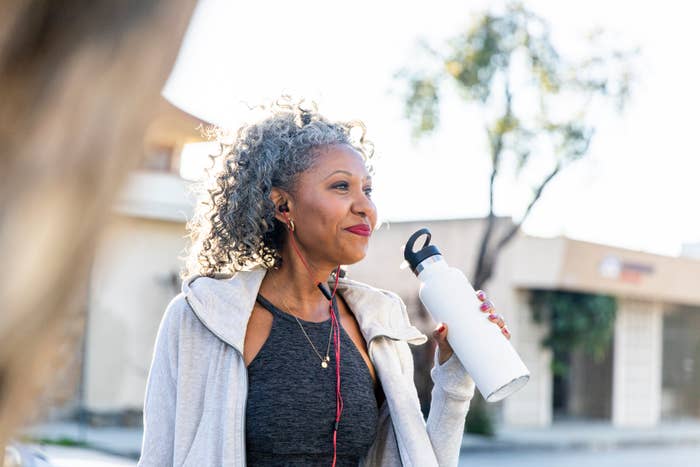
(79, 82)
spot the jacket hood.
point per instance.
(224, 307)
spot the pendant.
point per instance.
(324, 364)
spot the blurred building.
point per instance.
(651, 372)
(135, 272)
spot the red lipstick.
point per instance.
(360, 229)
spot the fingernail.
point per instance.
(506, 331)
(484, 306)
(492, 316)
(481, 295)
(441, 328)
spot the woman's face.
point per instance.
(331, 207)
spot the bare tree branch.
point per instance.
(514, 230)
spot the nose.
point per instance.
(364, 207)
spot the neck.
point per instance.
(293, 289)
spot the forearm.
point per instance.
(450, 398)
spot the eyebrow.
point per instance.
(368, 178)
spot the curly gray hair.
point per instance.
(235, 228)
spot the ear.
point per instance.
(281, 198)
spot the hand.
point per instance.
(440, 334)
(487, 307)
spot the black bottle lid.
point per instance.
(414, 258)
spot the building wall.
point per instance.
(626, 273)
(531, 406)
(536, 262)
(637, 363)
(132, 282)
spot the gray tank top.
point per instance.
(290, 411)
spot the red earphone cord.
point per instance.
(336, 339)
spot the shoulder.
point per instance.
(368, 293)
(179, 320)
(176, 313)
(370, 290)
(379, 311)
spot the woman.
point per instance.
(268, 356)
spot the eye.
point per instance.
(340, 186)
(368, 191)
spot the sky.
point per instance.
(637, 188)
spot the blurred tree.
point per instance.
(537, 107)
(576, 320)
(536, 104)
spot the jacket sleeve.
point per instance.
(450, 398)
(453, 389)
(161, 391)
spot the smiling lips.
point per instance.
(360, 229)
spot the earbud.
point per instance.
(283, 208)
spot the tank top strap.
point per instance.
(269, 306)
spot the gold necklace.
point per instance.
(327, 358)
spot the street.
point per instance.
(666, 456)
(61, 456)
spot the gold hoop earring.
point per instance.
(290, 225)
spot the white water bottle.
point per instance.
(482, 349)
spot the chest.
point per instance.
(260, 325)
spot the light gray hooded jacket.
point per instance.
(195, 402)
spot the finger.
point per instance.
(498, 319)
(481, 295)
(506, 332)
(486, 306)
(440, 332)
